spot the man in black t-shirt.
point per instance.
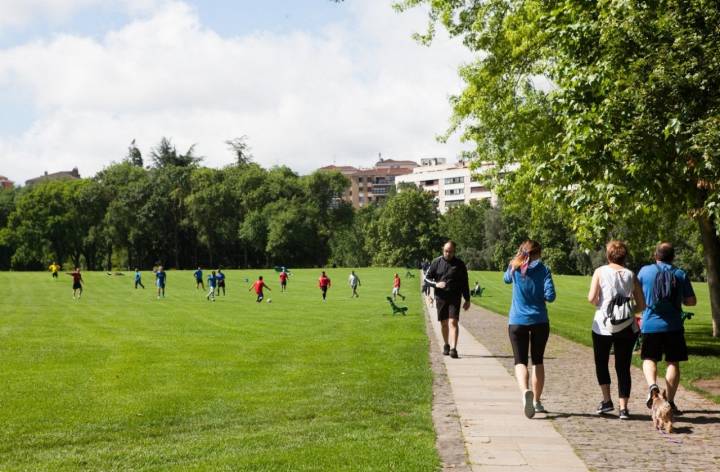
(448, 275)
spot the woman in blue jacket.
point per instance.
(529, 327)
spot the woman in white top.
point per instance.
(608, 282)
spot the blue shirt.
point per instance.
(211, 280)
(530, 294)
(220, 276)
(653, 322)
(160, 276)
(198, 274)
(137, 275)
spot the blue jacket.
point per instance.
(529, 295)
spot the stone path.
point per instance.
(488, 403)
(603, 443)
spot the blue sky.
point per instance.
(308, 82)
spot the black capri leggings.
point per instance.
(624, 342)
(533, 338)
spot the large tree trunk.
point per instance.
(711, 246)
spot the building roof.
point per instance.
(394, 163)
(62, 175)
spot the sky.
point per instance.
(309, 82)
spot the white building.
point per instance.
(452, 184)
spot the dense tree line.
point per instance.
(182, 214)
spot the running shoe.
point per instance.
(446, 350)
(605, 407)
(528, 406)
(624, 414)
(453, 353)
(675, 409)
(539, 408)
(653, 388)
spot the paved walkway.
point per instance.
(603, 443)
(497, 435)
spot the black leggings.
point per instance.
(533, 338)
(624, 342)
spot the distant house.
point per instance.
(64, 175)
(5, 182)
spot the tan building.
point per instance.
(64, 175)
(5, 182)
(372, 185)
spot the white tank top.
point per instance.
(612, 282)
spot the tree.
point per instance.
(610, 110)
(465, 224)
(241, 149)
(165, 154)
(134, 156)
(405, 230)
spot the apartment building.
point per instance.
(452, 184)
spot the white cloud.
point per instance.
(303, 98)
(18, 13)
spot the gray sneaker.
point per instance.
(539, 408)
(528, 406)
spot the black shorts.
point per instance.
(283, 283)
(448, 308)
(532, 338)
(221, 283)
(671, 344)
(77, 286)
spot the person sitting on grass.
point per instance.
(477, 290)
(259, 285)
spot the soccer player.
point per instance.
(220, 278)
(212, 282)
(258, 286)
(354, 282)
(77, 283)
(283, 280)
(396, 288)
(160, 278)
(138, 279)
(199, 279)
(324, 283)
(54, 268)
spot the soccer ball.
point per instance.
(269, 300)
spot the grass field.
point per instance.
(122, 381)
(571, 316)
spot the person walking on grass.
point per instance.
(612, 284)
(138, 279)
(199, 283)
(220, 278)
(160, 279)
(666, 289)
(324, 283)
(396, 288)
(77, 283)
(528, 324)
(448, 276)
(212, 283)
(354, 282)
(258, 286)
(283, 280)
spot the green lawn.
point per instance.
(122, 381)
(571, 316)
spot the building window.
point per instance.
(454, 203)
(454, 191)
(361, 199)
(380, 190)
(430, 182)
(454, 180)
(478, 189)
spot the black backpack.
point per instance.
(666, 293)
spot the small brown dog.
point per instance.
(662, 413)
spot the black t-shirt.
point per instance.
(453, 273)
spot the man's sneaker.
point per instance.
(653, 388)
(446, 350)
(539, 408)
(605, 407)
(676, 411)
(624, 414)
(453, 353)
(528, 406)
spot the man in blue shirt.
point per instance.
(220, 278)
(138, 279)
(212, 281)
(199, 279)
(160, 278)
(662, 327)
